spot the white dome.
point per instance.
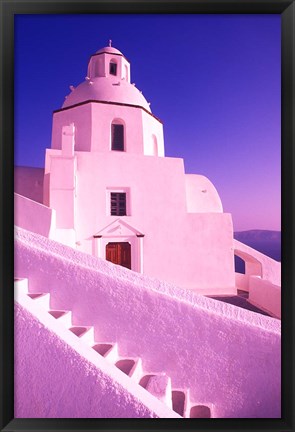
(106, 90)
(109, 50)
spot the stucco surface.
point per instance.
(227, 356)
(33, 216)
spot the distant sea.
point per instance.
(267, 242)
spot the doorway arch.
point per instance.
(121, 244)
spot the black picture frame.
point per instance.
(8, 8)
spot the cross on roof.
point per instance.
(110, 42)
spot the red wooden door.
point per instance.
(119, 253)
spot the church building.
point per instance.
(107, 342)
(118, 197)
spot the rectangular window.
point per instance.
(117, 137)
(113, 69)
(118, 204)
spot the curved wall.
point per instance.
(201, 195)
(258, 264)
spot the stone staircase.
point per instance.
(157, 384)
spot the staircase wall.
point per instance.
(53, 381)
(227, 356)
(34, 216)
(270, 268)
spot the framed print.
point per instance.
(147, 215)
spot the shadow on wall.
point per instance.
(239, 265)
(28, 182)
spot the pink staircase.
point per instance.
(158, 385)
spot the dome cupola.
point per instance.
(107, 80)
(109, 62)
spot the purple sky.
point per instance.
(214, 81)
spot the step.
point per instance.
(200, 411)
(21, 285)
(107, 350)
(131, 367)
(136, 372)
(160, 386)
(112, 355)
(63, 316)
(42, 299)
(179, 402)
(242, 293)
(125, 365)
(84, 333)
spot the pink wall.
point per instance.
(34, 217)
(102, 117)
(194, 250)
(262, 293)
(201, 195)
(265, 295)
(215, 349)
(93, 128)
(81, 117)
(152, 127)
(62, 189)
(242, 281)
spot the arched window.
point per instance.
(117, 136)
(113, 67)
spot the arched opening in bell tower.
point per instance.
(113, 67)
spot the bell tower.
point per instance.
(110, 114)
(109, 62)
